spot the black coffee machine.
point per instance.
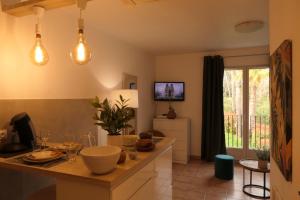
(20, 136)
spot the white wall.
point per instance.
(60, 78)
(189, 68)
(285, 24)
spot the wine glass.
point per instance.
(42, 138)
(45, 135)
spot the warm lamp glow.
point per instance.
(130, 94)
(81, 54)
(38, 54)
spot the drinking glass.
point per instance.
(41, 139)
(88, 140)
(72, 146)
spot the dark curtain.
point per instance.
(213, 135)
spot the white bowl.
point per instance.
(101, 160)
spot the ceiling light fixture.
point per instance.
(81, 54)
(249, 26)
(38, 53)
(136, 2)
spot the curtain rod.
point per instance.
(247, 55)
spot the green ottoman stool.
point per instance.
(224, 166)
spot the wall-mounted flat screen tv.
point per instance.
(169, 91)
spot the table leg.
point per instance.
(264, 185)
(243, 176)
(250, 177)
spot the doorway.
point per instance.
(246, 110)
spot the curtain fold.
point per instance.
(213, 135)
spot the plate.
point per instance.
(42, 156)
(146, 149)
(64, 147)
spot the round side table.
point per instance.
(252, 166)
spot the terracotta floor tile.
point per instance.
(195, 195)
(215, 196)
(196, 181)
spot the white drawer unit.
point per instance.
(180, 129)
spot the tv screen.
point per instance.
(169, 91)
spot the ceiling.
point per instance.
(180, 26)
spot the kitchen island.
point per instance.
(135, 179)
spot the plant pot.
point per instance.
(115, 140)
(263, 164)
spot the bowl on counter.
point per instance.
(101, 160)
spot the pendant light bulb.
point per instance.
(81, 53)
(38, 53)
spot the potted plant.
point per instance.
(113, 118)
(263, 156)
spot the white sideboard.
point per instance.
(180, 129)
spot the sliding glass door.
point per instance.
(246, 110)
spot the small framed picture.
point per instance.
(132, 85)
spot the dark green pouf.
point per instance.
(224, 167)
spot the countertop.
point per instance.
(77, 171)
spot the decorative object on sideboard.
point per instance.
(281, 108)
(113, 118)
(81, 53)
(171, 114)
(38, 53)
(263, 156)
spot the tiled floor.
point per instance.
(196, 181)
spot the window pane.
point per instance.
(233, 108)
(259, 108)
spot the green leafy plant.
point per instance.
(113, 117)
(263, 154)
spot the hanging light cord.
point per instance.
(38, 11)
(80, 13)
(37, 27)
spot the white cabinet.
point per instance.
(162, 178)
(180, 129)
(129, 188)
(146, 183)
